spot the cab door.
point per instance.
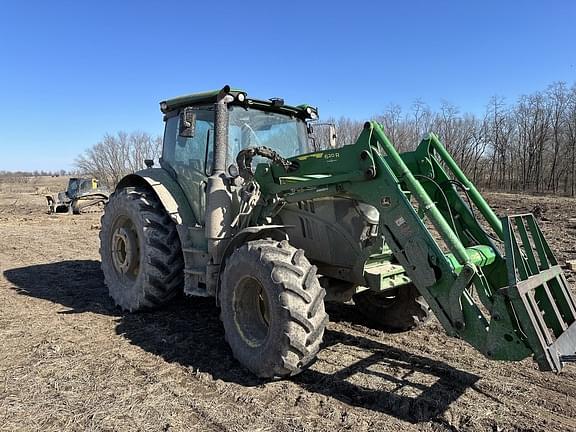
(191, 156)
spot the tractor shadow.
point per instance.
(383, 378)
(356, 370)
(77, 285)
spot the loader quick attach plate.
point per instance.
(539, 293)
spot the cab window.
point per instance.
(248, 127)
(189, 152)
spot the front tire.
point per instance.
(272, 308)
(140, 251)
(406, 310)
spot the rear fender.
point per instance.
(167, 190)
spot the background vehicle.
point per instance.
(80, 194)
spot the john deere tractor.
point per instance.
(244, 210)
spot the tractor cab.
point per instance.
(191, 129)
(205, 133)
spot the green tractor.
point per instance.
(245, 210)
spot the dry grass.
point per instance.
(40, 185)
(70, 361)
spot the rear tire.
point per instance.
(140, 250)
(272, 308)
(405, 311)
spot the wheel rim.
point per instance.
(251, 311)
(125, 249)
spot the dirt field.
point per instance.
(70, 361)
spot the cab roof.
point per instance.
(240, 98)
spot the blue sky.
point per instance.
(72, 71)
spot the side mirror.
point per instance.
(333, 136)
(187, 126)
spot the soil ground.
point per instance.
(69, 360)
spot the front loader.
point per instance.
(243, 210)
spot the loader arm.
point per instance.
(523, 305)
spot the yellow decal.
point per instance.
(319, 156)
(310, 156)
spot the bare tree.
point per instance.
(570, 180)
(117, 155)
(558, 95)
(529, 145)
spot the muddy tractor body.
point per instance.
(82, 194)
(243, 209)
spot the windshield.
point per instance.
(73, 184)
(253, 128)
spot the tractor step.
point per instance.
(195, 270)
(194, 250)
(539, 293)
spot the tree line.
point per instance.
(35, 173)
(528, 145)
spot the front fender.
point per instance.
(166, 189)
